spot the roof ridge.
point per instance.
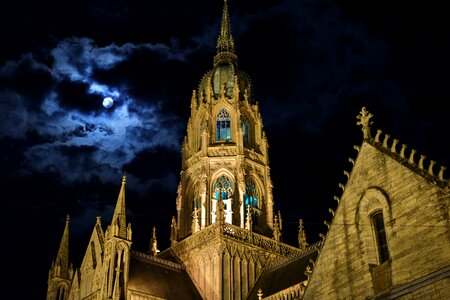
(156, 260)
(426, 172)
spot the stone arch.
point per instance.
(373, 200)
(197, 129)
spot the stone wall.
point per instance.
(416, 217)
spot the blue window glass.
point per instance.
(223, 187)
(251, 196)
(223, 131)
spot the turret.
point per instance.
(117, 251)
(60, 274)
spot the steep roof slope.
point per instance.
(157, 277)
(414, 204)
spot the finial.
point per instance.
(441, 172)
(302, 236)
(430, 167)
(422, 158)
(98, 220)
(411, 156)
(276, 229)
(386, 138)
(173, 231)
(364, 120)
(394, 146)
(124, 178)
(331, 211)
(195, 223)
(377, 136)
(260, 293)
(67, 218)
(402, 151)
(154, 249)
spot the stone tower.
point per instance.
(225, 233)
(224, 154)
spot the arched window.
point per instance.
(60, 294)
(223, 125)
(251, 198)
(246, 136)
(380, 235)
(223, 189)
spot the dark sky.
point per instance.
(313, 65)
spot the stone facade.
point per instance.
(414, 203)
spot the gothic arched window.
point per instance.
(223, 125)
(251, 196)
(251, 199)
(245, 128)
(223, 188)
(380, 235)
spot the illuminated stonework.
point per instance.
(388, 236)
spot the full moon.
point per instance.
(108, 102)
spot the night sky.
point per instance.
(313, 65)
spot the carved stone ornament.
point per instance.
(364, 120)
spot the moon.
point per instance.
(108, 102)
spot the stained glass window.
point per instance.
(251, 195)
(224, 186)
(223, 125)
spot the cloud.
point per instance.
(80, 139)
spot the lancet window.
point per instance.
(223, 130)
(223, 189)
(245, 131)
(251, 199)
(380, 236)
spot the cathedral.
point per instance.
(388, 237)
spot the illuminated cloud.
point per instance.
(88, 142)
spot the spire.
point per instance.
(119, 221)
(225, 42)
(154, 243)
(62, 259)
(302, 236)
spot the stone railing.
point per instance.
(259, 240)
(238, 234)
